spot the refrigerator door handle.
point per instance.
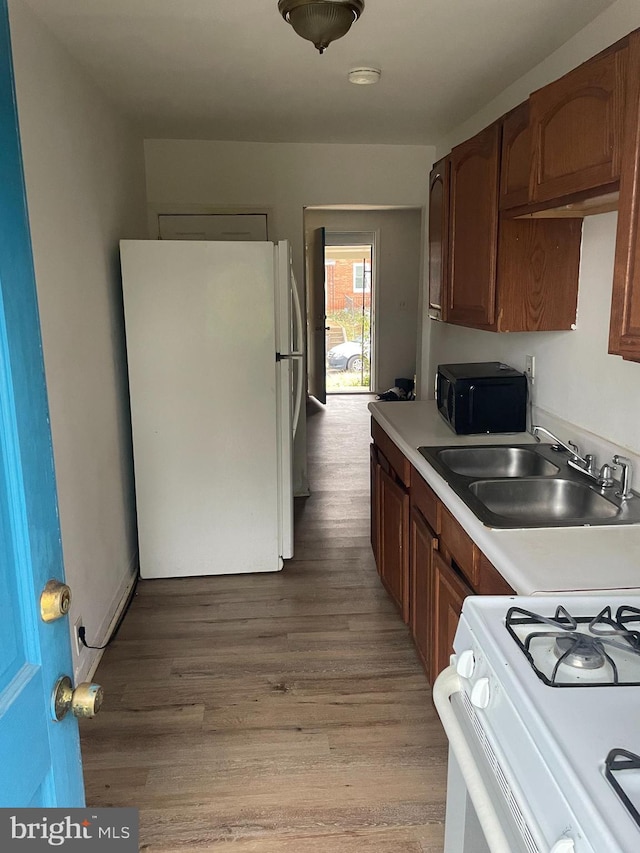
(297, 342)
(299, 391)
(297, 314)
(295, 356)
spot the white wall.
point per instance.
(576, 380)
(613, 24)
(399, 246)
(284, 178)
(84, 170)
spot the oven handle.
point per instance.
(446, 684)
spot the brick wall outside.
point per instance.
(339, 288)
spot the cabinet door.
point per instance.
(438, 237)
(515, 160)
(394, 540)
(537, 280)
(375, 501)
(624, 336)
(423, 542)
(577, 126)
(473, 230)
(449, 593)
(490, 581)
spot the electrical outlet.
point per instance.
(530, 368)
(76, 636)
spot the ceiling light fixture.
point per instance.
(364, 76)
(321, 21)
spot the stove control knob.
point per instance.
(565, 845)
(481, 693)
(466, 664)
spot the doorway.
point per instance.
(349, 280)
(395, 289)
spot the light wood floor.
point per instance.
(279, 713)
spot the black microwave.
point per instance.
(482, 397)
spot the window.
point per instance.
(362, 277)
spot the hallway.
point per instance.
(280, 713)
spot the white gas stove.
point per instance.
(542, 709)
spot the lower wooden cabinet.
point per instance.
(375, 501)
(449, 592)
(423, 541)
(427, 562)
(393, 541)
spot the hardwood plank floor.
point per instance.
(276, 713)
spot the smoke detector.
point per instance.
(364, 76)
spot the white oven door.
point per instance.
(483, 811)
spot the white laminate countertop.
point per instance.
(575, 559)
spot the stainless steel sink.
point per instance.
(530, 485)
(492, 461)
(543, 500)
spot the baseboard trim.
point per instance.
(88, 667)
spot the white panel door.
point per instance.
(201, 351)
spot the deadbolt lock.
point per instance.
(83, 701)
(54, 601)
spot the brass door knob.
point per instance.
(83, 701)
(54, 600)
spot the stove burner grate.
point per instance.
(580, 651)
(592, 649)
(618, 761)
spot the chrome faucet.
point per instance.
(571, 448)
(625, 478)
(584, 464)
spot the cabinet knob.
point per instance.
(481, 693)
(466, 664)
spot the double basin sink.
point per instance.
(524, 485)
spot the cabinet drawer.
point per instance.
(459, 545)
(424, 499)
(396, 457)
(490, 581)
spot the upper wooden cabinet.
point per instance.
(438, 235)
(624, 334)
(505, 275)
(537, 278)
(473, 230)
(577, 126)
(515, 164)
(505, 237)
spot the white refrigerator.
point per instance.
(214, 350)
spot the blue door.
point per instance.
(40, 758)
